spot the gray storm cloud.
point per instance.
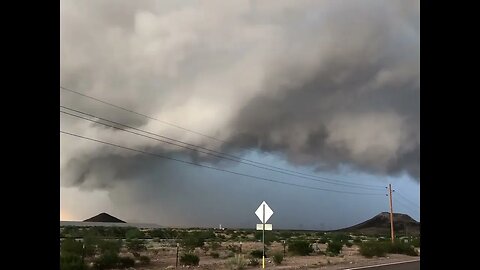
(322, 83)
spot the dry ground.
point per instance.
(164, 258)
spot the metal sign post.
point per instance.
(176, 262)
(264, 213)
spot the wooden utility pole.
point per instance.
(391, 214)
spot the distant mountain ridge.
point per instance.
(380, 224)
(104, 217)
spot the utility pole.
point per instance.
(391, 214)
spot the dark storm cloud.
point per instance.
(321, 83)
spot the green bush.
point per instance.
(237, 263)
(107, 260)
(214, 245)
(301, 248)
(340, 237)
(322, 240)
(158, 233)
(348, 244)
(69, 261)
(144, 260)
(134, 233)
(370, 249)
(399, 247)
(286, 234)
(257, 254)
(277, 258)
(357, 240)
(214, 255)
(71, 246)
(416, 242)
(334, 248)
(269, 237)
(109, 246)
(91, 241)
(135, 246)
(380, 249)
(189, 259)
(191, 241)
(126, 262)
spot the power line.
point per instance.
(406, 199)
(213, 168)
(406, 206)
(217, 153)
(149, 117)
(198, 133)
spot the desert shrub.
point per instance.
(399, 247)
(144, 260)
(214, 245)
(126, 262)
(189, 259)
(370, 249)
(191, 241)
(69, 261)
(357, 240)
(234, 248)
(300, 247)
(286, 234)
(340, 237)
(257, 254)
(334, 247)
(348, 244)
(253, 262)
(71, 246)
(109, 246)
(215, 255)
(416, 242)
(134, 233)
(277, 258)
(135, 246)
(107, 260)
(158, 233)
(269, 237)
(322, 240)
(237, 263)
(90, 241)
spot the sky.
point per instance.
(311, 106)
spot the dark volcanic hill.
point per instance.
(104, 217)
(380, 224)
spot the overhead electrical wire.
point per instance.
(217, 154)
(140, 114)
(407, 200)
(213, 168)
(198, 133)
(396, 200)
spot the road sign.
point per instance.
(264, 212)
(260, 213)
(268, 227)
